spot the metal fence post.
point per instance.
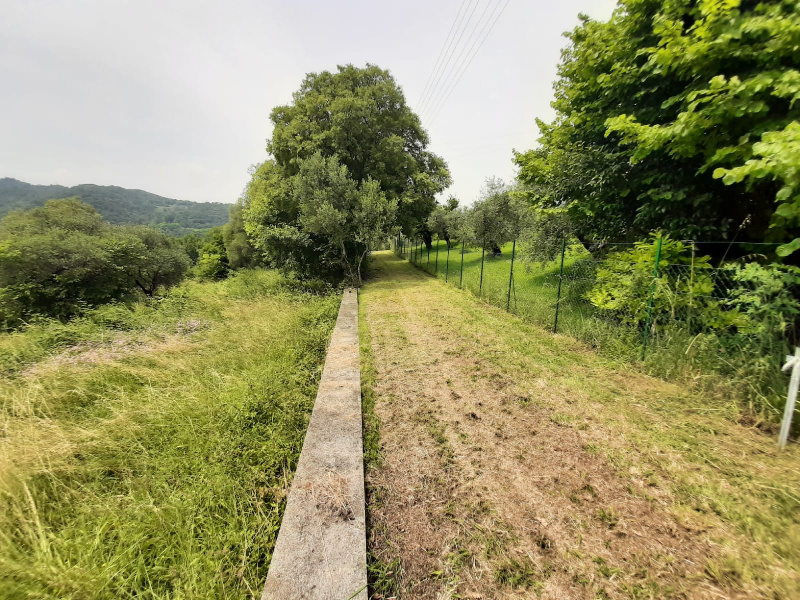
(428, 264)
(560, 279)
(511, 275)
(483, 255)
(461, 274)
(437, 255)
(447, 264)
(650, 301)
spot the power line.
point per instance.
(442, 50)
(440, 105)
(464, 70)
(470, 38)
(449, 56)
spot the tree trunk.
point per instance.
(348, 268)
(360, 260)
(428, 239)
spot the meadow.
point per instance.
(732, 362)
(146, 450)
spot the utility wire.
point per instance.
(461, 74)
(449, 56)
(469, 43)
(448, 40)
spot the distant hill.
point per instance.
(120, 205)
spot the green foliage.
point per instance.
(498, 216)
(240, 252)
(361, 116)
(119, 205)
(271, 219)
(766, 298)
(147, 457)
(444, 221)
(213, 260)
(544, 233)
(158, 261)
(192, 244)
(357, 117)
(63, 257)
(676, 116)
(779, 160)
(624, 280)
(349, 219)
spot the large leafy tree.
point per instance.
(672, 116)
(156, 260)
(359, 116)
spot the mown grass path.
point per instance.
(507, 462)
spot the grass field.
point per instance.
(534, 290)
(146, 453)
(741, 368)
(510, 461)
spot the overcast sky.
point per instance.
(174, 97)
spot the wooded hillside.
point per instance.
(120, 205)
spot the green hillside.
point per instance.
(120, 205)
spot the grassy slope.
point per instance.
(726, 485)
(150, 459)
(746, 374)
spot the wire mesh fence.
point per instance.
(675, 308)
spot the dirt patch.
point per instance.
(117, 347)
(493, 484)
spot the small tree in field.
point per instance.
(346, 219)
(156, 261)
(497, 217)
(438, 222)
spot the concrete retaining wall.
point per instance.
(321, 549)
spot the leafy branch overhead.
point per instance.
(680, 116)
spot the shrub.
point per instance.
(624, 281)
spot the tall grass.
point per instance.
(145, 452)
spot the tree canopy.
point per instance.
(62, 257)
(352, 133)
(679, 116)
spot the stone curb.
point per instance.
(321, 551)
